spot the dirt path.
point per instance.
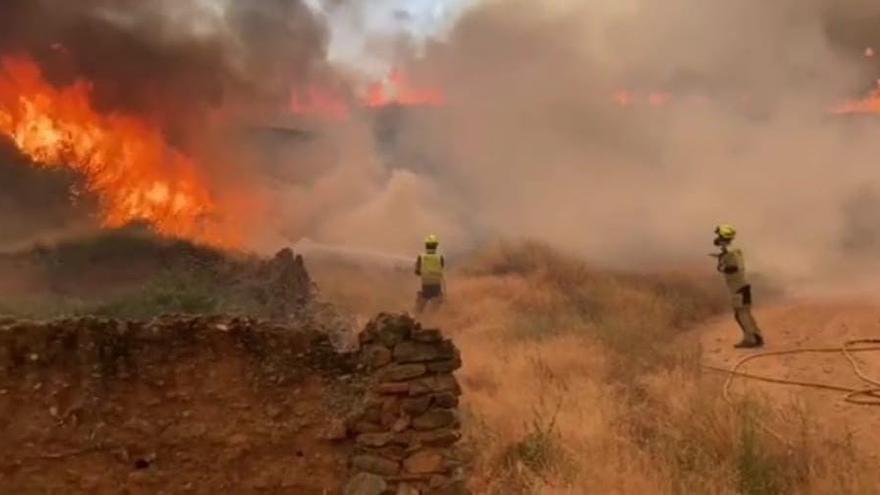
(806, 324)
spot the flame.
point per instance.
(626, 98)
(124, 161)
(398, 90)
(870, 104)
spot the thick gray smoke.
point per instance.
(36, 205)
(174, 61)
(531, 142)
(534, 145)
(197, 70)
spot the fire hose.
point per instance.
(868, 395)
(865, 396)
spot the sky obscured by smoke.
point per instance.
(197, 70)
(531, 143)
(172, 60)
(534, 145)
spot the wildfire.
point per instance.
(870, 104)
(123, 160)
(398, 90)
(626, 98)
(395, 90)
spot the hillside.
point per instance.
(574, 379)
(581, 380)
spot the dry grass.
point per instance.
(576, 381)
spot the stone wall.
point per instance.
(408, 424)
(112, 347)
(390, 410)
(178, 404)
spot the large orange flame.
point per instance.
(124, 161)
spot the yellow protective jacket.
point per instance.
(429, 267)
(732, 265)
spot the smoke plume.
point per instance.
(175, 61)
(197, 71)
(531, 142)
(534, 145)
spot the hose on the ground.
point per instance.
(868, 395)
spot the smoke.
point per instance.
(196, 70)
(26, 191)
(533, 145)
(174, 61)
(200, 71)
(362, 198)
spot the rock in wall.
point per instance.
(287, 283)
(407, 427)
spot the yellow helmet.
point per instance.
(432, 240)
(725, 231)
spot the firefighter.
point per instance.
(732, 266)
(429, 267)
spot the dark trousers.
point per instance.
(742, 312)
(428, 293)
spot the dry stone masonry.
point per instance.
(398, 425)
(408, 424)
(176, 404)
(114, 347)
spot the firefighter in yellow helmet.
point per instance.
(430, 266)
(732, 266)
